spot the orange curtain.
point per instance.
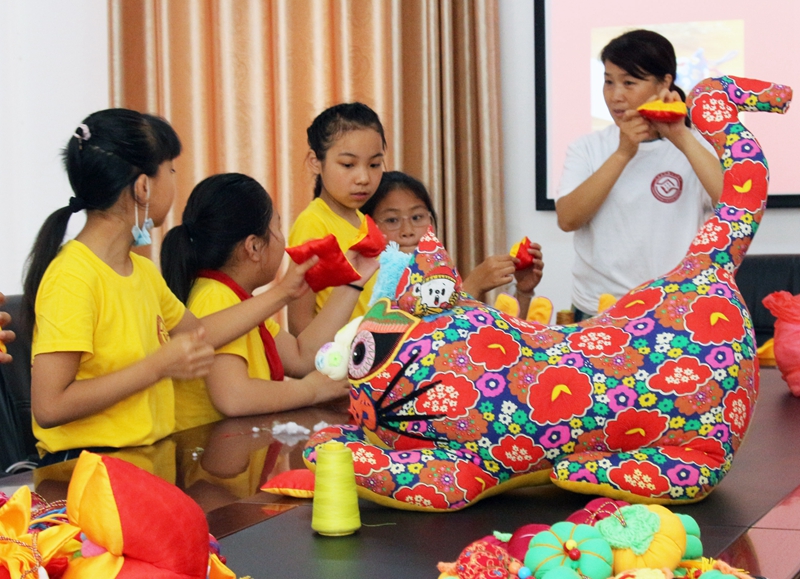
(241, 80)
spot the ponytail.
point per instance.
(179, 263)
(45, 248)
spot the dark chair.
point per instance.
(759, 276)
(17, 443)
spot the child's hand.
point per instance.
(496, 270)
(187, 355)
(6, 336)
(529, 278)
(294, 280)
(366, 266)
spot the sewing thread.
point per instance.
(335, 507)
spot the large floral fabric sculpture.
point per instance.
(646, 402)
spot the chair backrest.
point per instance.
(17, 442)
(759, 276)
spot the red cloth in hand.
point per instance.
(333, 268)
(520, 251)
(786, 308)
(370, 241)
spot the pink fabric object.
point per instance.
(595, 510)
(786, 308)
(521, 539)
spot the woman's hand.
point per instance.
(634, 129)
(676, 132)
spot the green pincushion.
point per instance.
(694, 547)
(580, 548)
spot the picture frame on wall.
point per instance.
(740, 41)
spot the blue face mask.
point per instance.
(141, 235)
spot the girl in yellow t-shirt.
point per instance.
(229, 244)
(109, 336)
(346, 145)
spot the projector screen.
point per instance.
(710, 39)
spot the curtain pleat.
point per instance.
(241, 80)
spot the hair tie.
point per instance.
(76, 204)
(189, 225)
(85, 134)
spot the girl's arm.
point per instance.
(577, 208)
(226, 325)
(234, 393)
(300, 313)
(493, 272)
(58, 398)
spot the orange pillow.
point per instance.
(333, 268)
(292, 483)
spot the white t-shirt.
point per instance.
(646, 223)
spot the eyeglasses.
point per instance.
(418, 221)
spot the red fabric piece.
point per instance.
(521, 539)
(163, 529)
(333, 268)
(786, 308)
(270, 349)
(525, 258)
(373, 242)
(291, 480)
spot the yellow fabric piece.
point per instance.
(605, 301)
(318, 220)
(766, 353)
(217, 570)
(104, 565)
(91, 505)
(507, 304)
(84, 306)
(540, 310)
(665, 550)
(193, 405)
(15, 518)
(659, 105)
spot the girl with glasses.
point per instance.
(403, 210)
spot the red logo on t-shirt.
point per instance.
(667, 187)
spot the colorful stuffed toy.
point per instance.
(632, 542)
(121, 522)
(646, 402)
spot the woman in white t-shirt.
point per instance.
(636, 192)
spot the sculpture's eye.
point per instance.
(362, 354)
(369, 351)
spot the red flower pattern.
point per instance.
(452, 396)
(493, 348)
(422, 496)
(367, 458)
(561, 393)
(522, 377)
(633, 428)
(463, 429)
(639, 478)
(704, 399)
(737, 411)
(700, 451)
(681, 376)
(714, 234)
(442, 475)
(519, 453)
(714, 320)
(637, 304)
(745, 185)
(689, 267)
(673, 309)
(711, 111)
(624, 364)
(599, 341)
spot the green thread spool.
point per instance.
(335, 508)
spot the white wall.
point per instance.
(53, 73)
(780, 228)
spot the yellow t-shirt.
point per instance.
(318, 220)
(193, 405)
(85, 306)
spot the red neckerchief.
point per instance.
(273, 359)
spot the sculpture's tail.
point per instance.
(714, 106)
